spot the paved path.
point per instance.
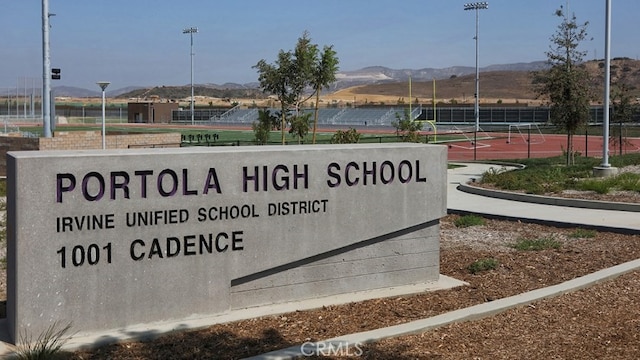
(459, 201)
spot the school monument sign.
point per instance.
(108, 239)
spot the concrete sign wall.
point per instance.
(108, 239)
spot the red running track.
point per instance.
(550, 145)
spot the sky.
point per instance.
(141, 42)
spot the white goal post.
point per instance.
(526, 132)
(471, 135)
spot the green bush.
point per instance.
(583, 234)
(596, 185)
(548, 175)
(468, 220)
(350, 136)
(536, 244)
(628, 182)
(483, 265)
(624, 182)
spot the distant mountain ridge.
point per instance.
(381, 74)
(345, 79)
(71, 91)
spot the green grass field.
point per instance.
(236, 137)
(245, 137)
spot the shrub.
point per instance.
(46, 346)
(543, 175)
(536, 244)
(628, 182)
(482, 265)
(468, 220)
(597, 185)
(583, 234)
(350, 136)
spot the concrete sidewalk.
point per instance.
(463, 202)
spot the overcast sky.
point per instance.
(140, 42)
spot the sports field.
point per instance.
(461, 147)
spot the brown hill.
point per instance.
(497, 86)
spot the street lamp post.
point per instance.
(476, 109)
(191, 31)
(103, 85)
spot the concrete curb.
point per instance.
(549, 200)
(467, 314)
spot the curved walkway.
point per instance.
(459, 201)
(575, 214)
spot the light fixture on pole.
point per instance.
(103, 85)
(476, 110)
(191, 31)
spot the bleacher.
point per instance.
(326, 116)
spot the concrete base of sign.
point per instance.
(153, 330)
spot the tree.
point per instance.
(623, 110)
(300, 125)
(261, 128)
(305, 55)
(323, 74)
(276, 79)
(566, 83)
(407, 128)
(295, 71)
(350, 136)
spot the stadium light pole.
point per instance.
(476, 109)
(103, 85)
(46, 71)
(191, 31)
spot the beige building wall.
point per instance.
(85, 140)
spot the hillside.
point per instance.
(507, 86)
(179, 93)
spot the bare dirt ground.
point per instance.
(601, 322)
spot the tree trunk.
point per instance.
(570, 153)
(282, 126)
(568, 159)
(315, 118)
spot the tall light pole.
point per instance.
(191, 31)
(607, 90)
(46, 71)
(476, 109)
(605, 169)
(103, 85)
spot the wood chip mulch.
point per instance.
(600, 322)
